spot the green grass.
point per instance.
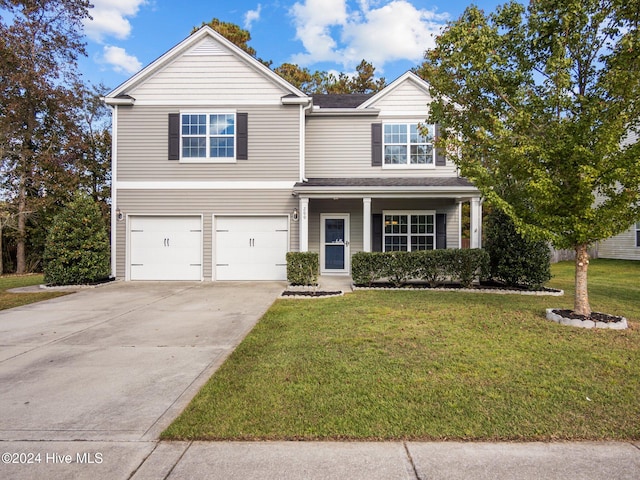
(431, 365)
(11, 300)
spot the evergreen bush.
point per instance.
(513, 259)
(77, 246)
(302, 268)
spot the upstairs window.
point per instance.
(208, 136)
(405, 145)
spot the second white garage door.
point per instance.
(251, 248)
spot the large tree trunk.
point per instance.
(581, 301)
(22, 233)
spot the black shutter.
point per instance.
(242, 136)
(441, 230)
(441, 161)
(376, 144)
(376, 232)
(174, 136)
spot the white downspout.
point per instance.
(303, 140)
(114, 184)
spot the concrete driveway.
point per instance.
(113, 365)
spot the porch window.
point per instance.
(409, 231)
(638, 234)
(406, 146)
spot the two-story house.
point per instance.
(220, 167)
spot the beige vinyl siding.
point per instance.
(274, 145)
(378, 205)
(449, 207)
(206, 203)
(407, 98)
(341, 147)
(621, 246)
(214, 74)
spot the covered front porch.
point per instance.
(340, 217)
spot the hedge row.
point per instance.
(432, 266)
(302, 268)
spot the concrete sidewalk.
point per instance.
(325, 461)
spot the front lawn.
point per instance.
(431, 365)
(10, 300)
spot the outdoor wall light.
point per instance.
(295, 215)
(119, 214)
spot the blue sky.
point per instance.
(331, 35)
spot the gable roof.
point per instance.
(187, 44)
(407, 77)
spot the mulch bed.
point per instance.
(307, 293)
(476, 286)
(595, 316)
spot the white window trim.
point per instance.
(209, 159)
(408, 165)
(408, 213)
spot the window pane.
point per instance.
(418, 134)
(395, 155)
(334, 257)
(222, 147)
(334, 230)
(194, 147)
(222, 124)
(395, 243)
(421, 154)
(194, 124)
(395, 133)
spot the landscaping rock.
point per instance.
(601, 320)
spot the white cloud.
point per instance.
(110, 18)
(252, 16)
(378, 32)
(120, 60)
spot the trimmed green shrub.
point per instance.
(302, 268)
(513, 259)
(432, 266)
(467, 265)
(77, 246)
(368, 267)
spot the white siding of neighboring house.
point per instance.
(622, 246)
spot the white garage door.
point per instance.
(166, 248)
(251, 248)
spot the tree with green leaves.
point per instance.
(40, 42)
(77, 246)
(539, 107)
(235, 34)
(364, 81)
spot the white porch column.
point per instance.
(304, 224)
(476, 223)
(366, 224)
